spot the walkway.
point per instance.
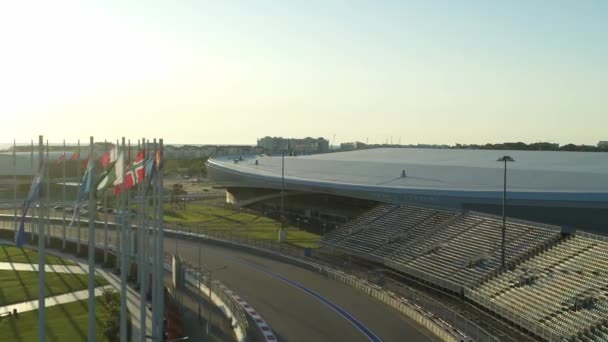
(52, 301)
(15, 266)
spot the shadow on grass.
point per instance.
(73, 323)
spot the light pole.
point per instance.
(282, 189)
(504, 159)
(199, 280)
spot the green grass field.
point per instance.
(217, 220)
(65, 323)
(16, 287)
(28, 256)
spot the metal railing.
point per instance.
(195, 276)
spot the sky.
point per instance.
(228, 72)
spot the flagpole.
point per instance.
(160, 241)
(78, 206)
(47, 213)
(105, 220)
(138, 220)
(142, 252)
(15, 182)
(32, 224)
(89, 177)
(154, 255)
(128, 249)
(63, 223)
(123, 271)
(41, 256)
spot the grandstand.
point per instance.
(555, 286)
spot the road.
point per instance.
(293, 312)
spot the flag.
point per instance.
(32, 196)
(60, 160)
(76, 155)
(150, 171)
(107, 158)
(113, 175)
(135, 172)
(85, 162)
(85, 187)
(158, 160)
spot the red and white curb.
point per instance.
(259, 321)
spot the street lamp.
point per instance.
(504, 159)
(282, 189)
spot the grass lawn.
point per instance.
(28, 256)
(217, 220)
(23, 286)
(65, 323)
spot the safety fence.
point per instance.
(517, 319)
(216, 293)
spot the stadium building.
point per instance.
(568, 189)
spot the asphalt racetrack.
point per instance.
(297, 303)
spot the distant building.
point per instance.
(205, 151)
(351, 146)
(602, 144)
(294, 146)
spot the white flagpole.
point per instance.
(105, 220)
(123, 266)
(155, 274)
(118, 242)
(78, 206)
(160, 270)
(47, 212)
(143, 236)
(41, 256)
(91, 244)
(32, 224)
(63, 223)
(15, 183)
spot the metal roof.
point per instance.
(568, 176)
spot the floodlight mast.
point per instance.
(504, 159)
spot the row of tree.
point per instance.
(539, 146)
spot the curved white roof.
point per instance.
(568, 176)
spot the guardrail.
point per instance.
(519, 320)
(219, 295)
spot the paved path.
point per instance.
(48, 268)
(52, 301)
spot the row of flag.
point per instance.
(138, 171)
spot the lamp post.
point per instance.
(282, 189)
(504, 159)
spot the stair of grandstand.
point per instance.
(415, 233)
(435, 241)
(563, 290)
(476, 251)
(360, 222)
(377, 233)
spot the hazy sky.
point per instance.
(231, 71)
